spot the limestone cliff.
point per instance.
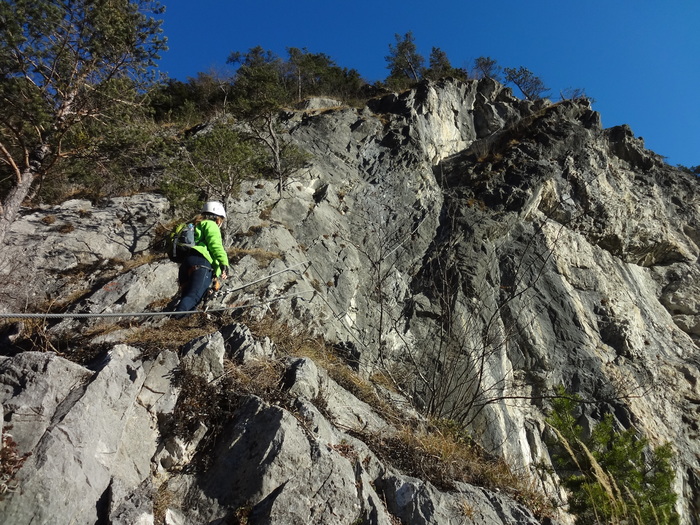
(472, 249)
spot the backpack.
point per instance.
(180, 242)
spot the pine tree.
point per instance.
(65, 69)
(404, 63)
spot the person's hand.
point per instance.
(224, 273)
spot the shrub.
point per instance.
(444, 454)
(10, 462)
(613, 476)
(213, 163)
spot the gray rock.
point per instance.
(243, 347)
(474, 249)
(319, 103)
(415, 501)
(204, 356)
(86, 446)
(35, 387)
(47, 247)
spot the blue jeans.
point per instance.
(195, 278)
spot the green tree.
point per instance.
(188, 103)
(259, 83)
(487, 67)
(318, 74)
(171, 100)
(404, 63)
(531, 86)
(694, 170)
(212, 165)
(439, 66)
(64, 68)
(613, 476)
(213, 90)
(124, 160)
(258, 94)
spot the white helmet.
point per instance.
(214, 208)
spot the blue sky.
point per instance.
(639, 60)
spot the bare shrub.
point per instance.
(443, 455)
(11, 462)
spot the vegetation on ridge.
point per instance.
(105, 131)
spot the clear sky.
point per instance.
(638, 59)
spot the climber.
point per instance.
(206, 260)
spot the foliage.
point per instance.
(190, 102)
(439, 66)
(693, 170)
(443, 454)
(487, 67)
(313, 74)
(212, 165)
(216, 160)
(258, 95)
(127, 160)
(262, 81)
(531, 86)
(65, 64)
(259, 86)
(10, 462)
(62, 65)
(612, 476)
(404, 63)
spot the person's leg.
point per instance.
(183, 275)
(198, 282)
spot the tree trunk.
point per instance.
(14, 200)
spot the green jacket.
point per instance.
(207, 241)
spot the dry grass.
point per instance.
(215, 403)
(159, 305)
(466, 509)
(34, 336)
(172, 333)
(162, 500)
(10, 463)
(262, 378)
(65, 228)
(443, 456)
(241, 516)
(299, 344)
(264, 257)
(138, 260)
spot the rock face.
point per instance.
(97, 455)
(475, 249)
